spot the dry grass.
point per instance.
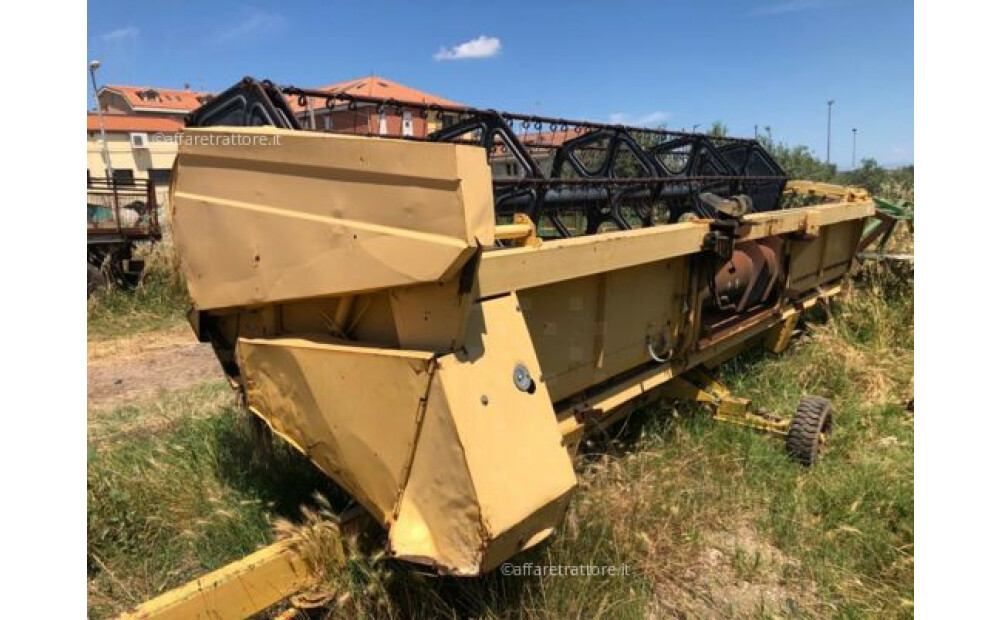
(171, 503)
(158, 302)
(106, 427)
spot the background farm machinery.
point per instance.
(119, 215)
(889, 214)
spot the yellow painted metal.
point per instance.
(515, 269)
(490, 475)
(506, 232)
(238, 590)
(779, 336)
(290, 217)
(606, 406)
(445, 453)
(827, 190)
(577, 325)
(698, 385)
(824, 258)
(532, 238)
(306, 390)
(521, 230)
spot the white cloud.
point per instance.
(657, 117)
(256, 23)
(481, 47)
(120, 34)
(790, 6)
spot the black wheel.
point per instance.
(810, 428)
(95, 279)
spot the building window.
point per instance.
(383, 125)
(123, 176)
(407, 124)
(160, 177)
(328, 122)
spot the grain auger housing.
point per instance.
(435, 318)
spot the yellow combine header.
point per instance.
(441, 362)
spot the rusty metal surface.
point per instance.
(749, 277)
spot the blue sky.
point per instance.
(766, 62)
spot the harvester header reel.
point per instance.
(571, 177)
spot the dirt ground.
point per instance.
(137, 368)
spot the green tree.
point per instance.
(798, 161)
(870, 175)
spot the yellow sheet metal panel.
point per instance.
(233, 592)
(490, 475)
(447, 452)
(438, 521)
(586, 330)
(516, 269)
(771, 223)
(257, 224)
(352, 410)
(561, 319)
(825, 258)
(514, 436)
(430, 317)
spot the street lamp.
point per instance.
(829, 124)
(108, 170)
(854, 145)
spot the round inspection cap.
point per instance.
(522, 378)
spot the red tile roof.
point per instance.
(373, 86)
(130, 122)
(148, 98)
(549, 138)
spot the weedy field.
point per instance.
(713, 520)
(159, 302)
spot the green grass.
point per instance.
(159, 301)
(114, 313)
(163, 508)
(714, 520)
(135, 420)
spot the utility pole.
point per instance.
(108, 170)
(854, 146)
(829, 125)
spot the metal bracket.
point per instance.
(698, 385)
(719, 244)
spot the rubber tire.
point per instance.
(95, 279)
(813, 418)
